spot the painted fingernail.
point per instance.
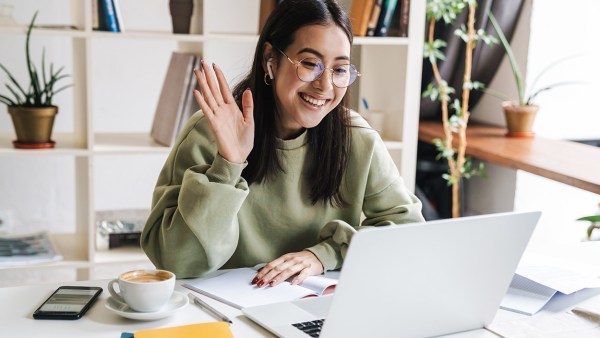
(271, 283)
(260, 283)
(254, 280)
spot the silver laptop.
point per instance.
(414, 280)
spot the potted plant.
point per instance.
(520, 114)
(31, 107)
(455, 112)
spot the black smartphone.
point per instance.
(68, 302)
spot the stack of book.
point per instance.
(23, 249)
(176, 103)
(380, 17)
(120, 228)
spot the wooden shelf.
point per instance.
(568, 162)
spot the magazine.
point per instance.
(22, 249)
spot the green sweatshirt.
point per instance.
(205, 216)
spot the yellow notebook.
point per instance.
(209, 330)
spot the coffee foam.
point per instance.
(145, 276)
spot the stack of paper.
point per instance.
(533, 286)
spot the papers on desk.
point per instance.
(533, 286)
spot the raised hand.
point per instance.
(233, 129)
(297, 264)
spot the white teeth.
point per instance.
(313, 101)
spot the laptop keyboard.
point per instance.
(312, 328)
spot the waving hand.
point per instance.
(233, 129)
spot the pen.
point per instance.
(586, 314)
(210, 309)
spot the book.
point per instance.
(385, 18)
(118, 15)
(107, 18)
(95, 23)
(374, 18)
(211, 329)
(172, 100)
(404, 15)
(266, 8)
(233, 288)
(360, 13)
(30, 248)
(190, 106)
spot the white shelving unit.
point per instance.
(391, 69)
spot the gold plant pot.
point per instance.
(33, 126)
(519, 119)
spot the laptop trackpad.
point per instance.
(317, 306)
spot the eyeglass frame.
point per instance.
(297, 64)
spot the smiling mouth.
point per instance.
(314, 102)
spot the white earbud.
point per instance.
(269, 70)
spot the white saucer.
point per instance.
(177, 302)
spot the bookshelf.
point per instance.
(104, 157)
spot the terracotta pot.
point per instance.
(33, 126)
(519, 119)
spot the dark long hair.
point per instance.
(329, 142)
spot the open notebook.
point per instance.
(233, 288)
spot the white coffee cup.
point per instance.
(143, 290)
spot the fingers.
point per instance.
(212, 82)
(248, 106)
(205, 108)
(206, 97)
(297, 265)
(224, 88)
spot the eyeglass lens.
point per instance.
(310, 69)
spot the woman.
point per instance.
(277, 171)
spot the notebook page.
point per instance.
(233, 288)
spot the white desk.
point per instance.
(18, 303)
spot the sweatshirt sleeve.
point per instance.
(334, 239)
(385, 198)
(193, 228)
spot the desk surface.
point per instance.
(18, 303)
(568, 162)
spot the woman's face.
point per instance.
(300, 104)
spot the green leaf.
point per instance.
(593, 218)
(554, 85)
(30, 67)
(13, 80)
(511, 58)
(7, 101)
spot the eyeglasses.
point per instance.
(310, 69)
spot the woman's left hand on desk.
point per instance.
(298, 264)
